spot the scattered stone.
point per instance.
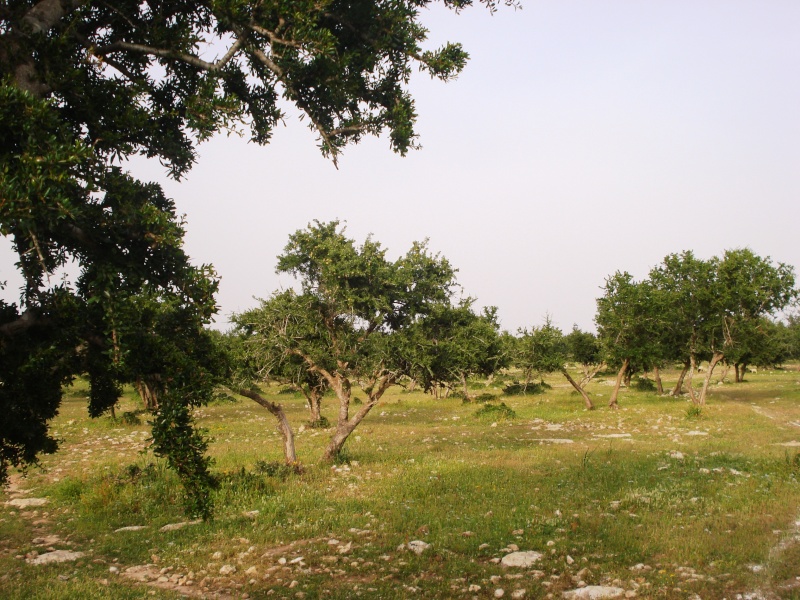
(677, 455)
(113, 570)
(693, 433)
(553, 440)
(57, 556)
(467, 534)
(594, 592)
(613, 436)
(499, 593)
(521, 559)
(570, 560)
(217, 555)
(343, 549)
(518, 532)
(27, 502)
(250, 514)
(176, 526)
(48, 540)
(418, 546)
(130, 528)
(227, 570)
(474, 588)
(518, 594)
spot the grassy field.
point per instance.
(653, 498)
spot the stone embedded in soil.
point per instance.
(57, 556)
(594, 592)
(521, 559)
(418, 546)
(176, 526)
(27, 502)
(227, 570)
(130, 528)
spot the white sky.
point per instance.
(584, 137)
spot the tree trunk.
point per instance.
(623, 369)
(679, 385)
(740, 370)
(313, 401)
(690, 374)
(467, 397)
(628, 375)
(579, 389)
(725, 372)
(717, 356)
(346, 424)
(148, 393)
(659, 384)
(283, 423)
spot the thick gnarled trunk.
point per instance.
(347, 424)
(678, 389)
(284, 427)
(615, 392)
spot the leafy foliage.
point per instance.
(84, 85)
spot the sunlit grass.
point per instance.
(651, 484)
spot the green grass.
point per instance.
(653, 484)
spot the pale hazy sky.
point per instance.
(583, 137)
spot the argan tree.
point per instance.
(543, 350)
(453, 343)
(350, 321)
(626, 320)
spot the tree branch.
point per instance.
(27, 319)
(189, 59)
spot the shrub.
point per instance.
(520, 389)
(496, 411)
(321, 423)
(643, 384)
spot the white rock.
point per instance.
(27, 502)
(176, 526)
(474, 588)
(418, 546)
(570, 560)
(499, 593)
(518, 594)
(217, 555)
(227, 570)
(130, 528)
(57, 556)
(594, 592)
(114, 570)
(521, 559)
